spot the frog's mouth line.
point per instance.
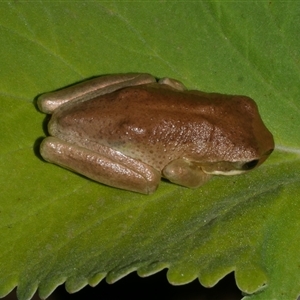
(234, 168)
(226, 173)
(230, 168)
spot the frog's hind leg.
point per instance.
(175, 84)
(108, 166)
(91, 88)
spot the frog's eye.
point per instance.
(250, 165)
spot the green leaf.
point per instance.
(59, 227)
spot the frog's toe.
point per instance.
(175, 84)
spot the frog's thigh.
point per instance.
(175, 84)
(114, 169)
(184, 173)
(91, 88)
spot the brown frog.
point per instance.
(129, 130)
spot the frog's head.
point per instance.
(239, 141)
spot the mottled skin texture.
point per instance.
(171, 131)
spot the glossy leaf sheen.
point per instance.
(59, 227)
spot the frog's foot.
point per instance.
(109, 167)
(175, 84)
(185, 173)
(91, 88)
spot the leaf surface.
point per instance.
(59, 227)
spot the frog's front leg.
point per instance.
(185, 173)
(107, 166)
(91, 88)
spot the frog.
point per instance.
(130, 130)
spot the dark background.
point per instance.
(153, 287)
